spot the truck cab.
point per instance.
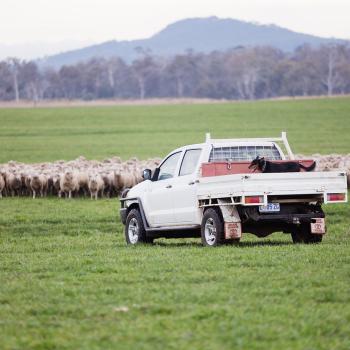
(203, 190)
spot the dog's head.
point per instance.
(256, 163)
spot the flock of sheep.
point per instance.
(330, 162)
(82, 177)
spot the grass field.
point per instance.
(67, 280)
(33, 135)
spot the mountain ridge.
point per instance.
(198, 34)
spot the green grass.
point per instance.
(34, 135)
(65, 270)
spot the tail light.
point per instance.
(335, 197)
(254, 200)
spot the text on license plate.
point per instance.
(270, 207)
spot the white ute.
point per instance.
(178, 200)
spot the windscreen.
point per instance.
(243, 153)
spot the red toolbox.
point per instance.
(229, 168)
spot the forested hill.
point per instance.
(198, 34)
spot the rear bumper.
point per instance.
(123, 214)
(290, 218)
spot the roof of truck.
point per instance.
(227, 143)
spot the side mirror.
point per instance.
(147, 174)
(155, 174)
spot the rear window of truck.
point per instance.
(243, 153)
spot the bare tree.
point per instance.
(240, 73)
(14, 66)
(180, 70)
(344, 69)
(31, 80)
(245, 71)
(328, 61)
(143, 68)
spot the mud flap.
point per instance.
(233, 230)
(233, 226)
(318, 226)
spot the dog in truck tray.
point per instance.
(266, 166)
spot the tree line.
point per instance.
(240, 73)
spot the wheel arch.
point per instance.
(134, 205)
(217, 209)
(230, 219)
(137, 204)
(212, 237)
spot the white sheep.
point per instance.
(38, 184)
(13, 183)
(83, 182)
(2, 184)
(96, 185)
(68, 184)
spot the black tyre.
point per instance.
(303, 234)
(312, 238)
(135, 232)
(297, 237)
(212, 228)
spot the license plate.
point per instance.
(269, 208)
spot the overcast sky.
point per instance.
(59, 24)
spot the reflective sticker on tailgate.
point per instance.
(319, 226)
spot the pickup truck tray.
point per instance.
(289, 184)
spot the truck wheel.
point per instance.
(303, 235)
(297, 236)
(212, 228)
(309, 237)
(135, 232)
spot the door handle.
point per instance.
(169, 186)
(193, 182)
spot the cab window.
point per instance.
(168, 168)
(243, 153)
(190, 161)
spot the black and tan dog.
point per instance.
(266, 166)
